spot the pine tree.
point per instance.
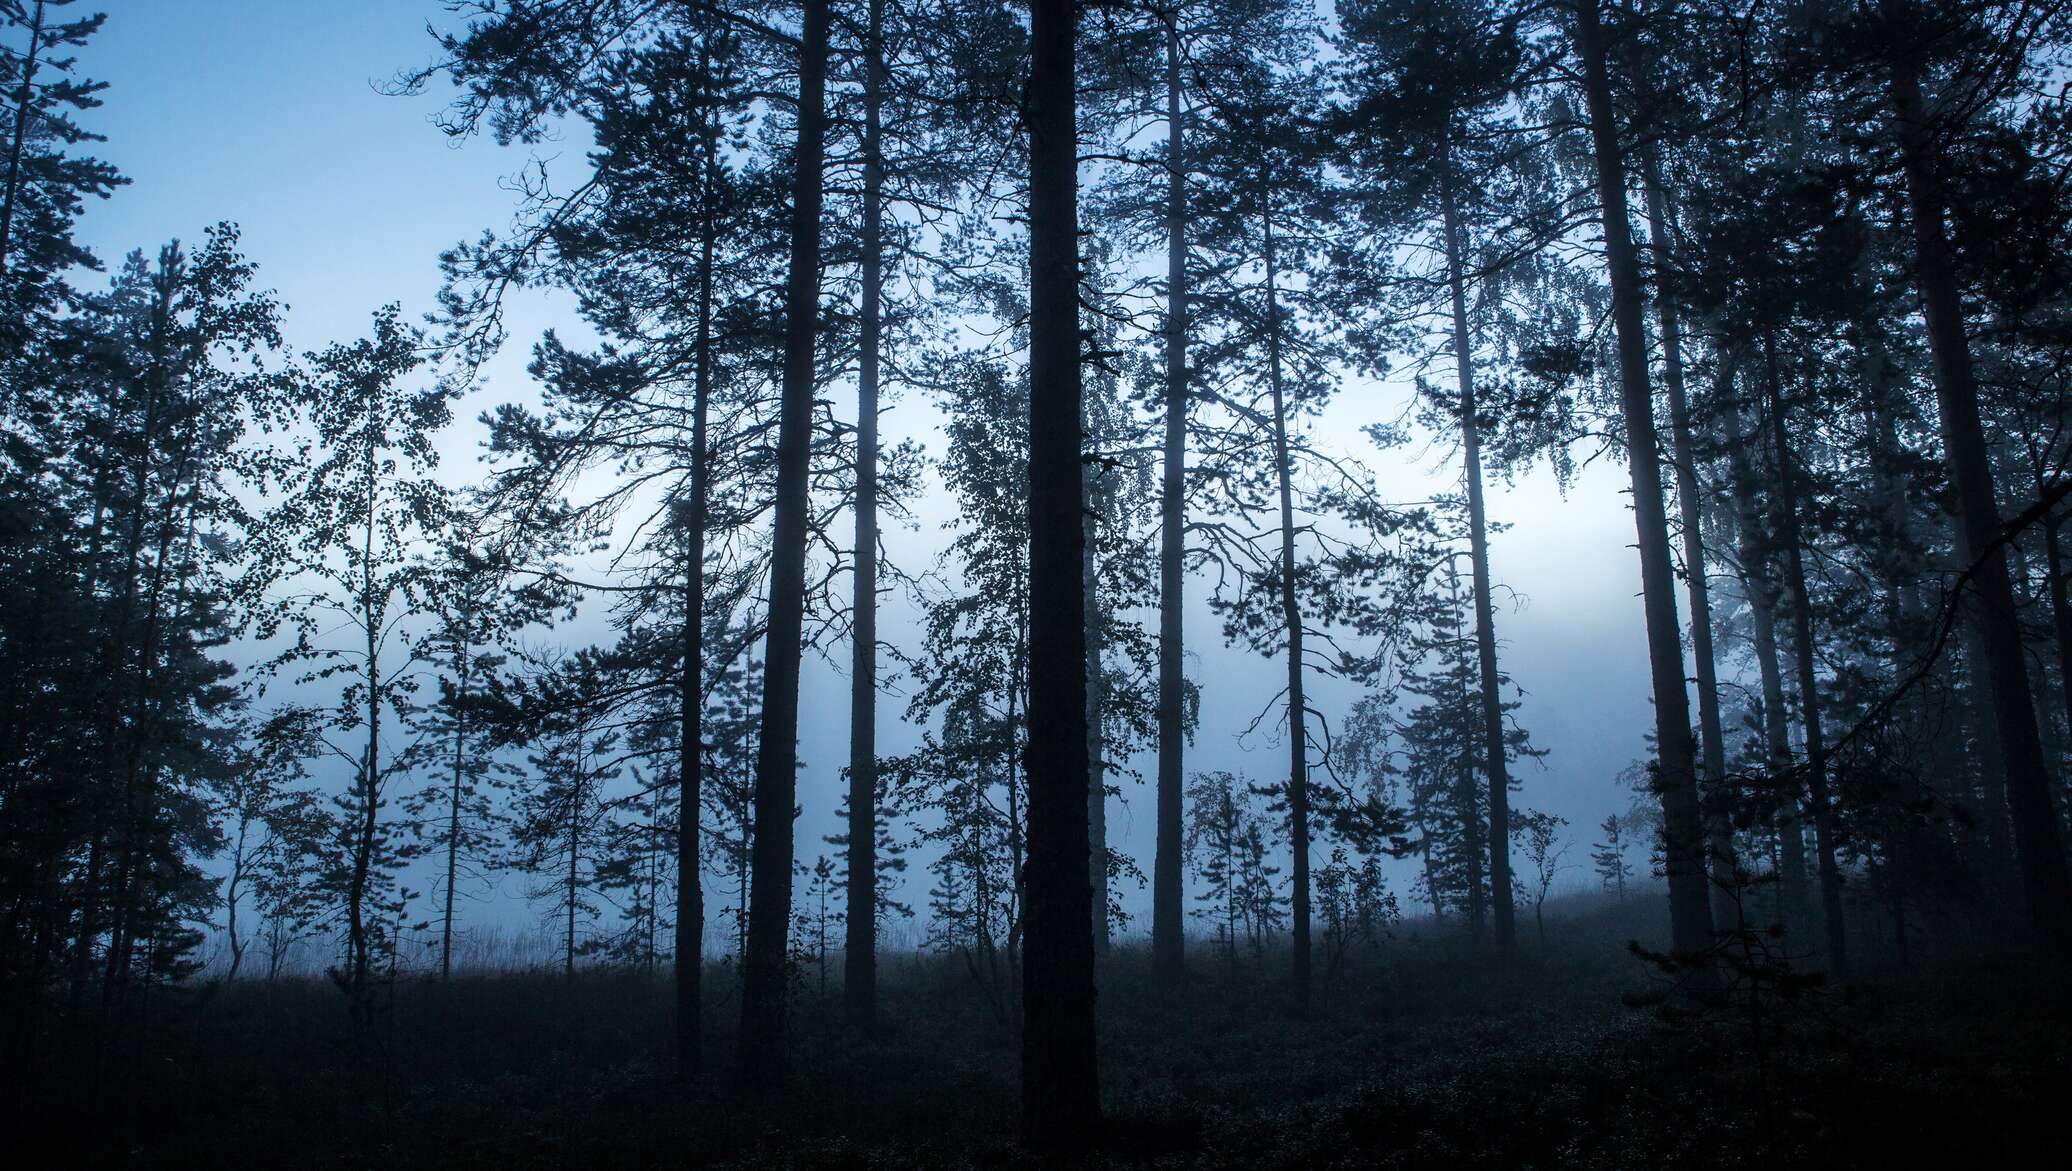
(1608, 855)
(562, 817)
(1917, 35)
(475, 609)
(1268, 334)
(1219, 818)
(1442, 749)
(46, 185)
(1195, 43)
(1438, 156)
(129, 476)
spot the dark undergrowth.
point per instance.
(1415, 1055)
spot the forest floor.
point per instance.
(1414, 1055)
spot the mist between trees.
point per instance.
(1160, 301)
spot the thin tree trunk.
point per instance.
(150, 705)
(1096, 769)
(1690, 912)
(689, 972)
(860, 943)
(1168, 935)
(1719, 826)
(97, 806)
(1824, 843)
(2038, 846)
(231, 892)
(1291, 618)
(460, 734)
(2060, 609)
(1495, 763)
(358, 959)
(1017, 856)
(116, 659)
(1061, 1103)
(1894, 556)
(1762, 593)
(575, 845)
(763, 992)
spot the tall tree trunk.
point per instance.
(2032, 591)
(1762, 593)
(2060, 608)
(1719, 826)
(763, 985)
(117, 838)
(1168, 935)
(1894, 559)
(1291, 619)
(689, 969)
(1017, 853)
(1496, 765)
(461, 663)
(2038, 846)
(140, 781)
(1904, 841)
(1824, 843)
(81, 959)
(1683, 831)
(1473, 847)
(1987, 797)
(358, 958)
(860, 942)
(231, 893)
(575, 856)
(1061, 1103)
(1467, 796)
(1096, 767)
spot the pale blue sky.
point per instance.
(265, 112)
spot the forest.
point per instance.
(402, 740)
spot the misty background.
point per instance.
(273, 115)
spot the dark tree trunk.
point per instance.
(1988, 796)
(575, 859)
(689, 968)
(1096, 767)
(860, 943)
(1504, 914)
(1168, 937)
(1466, 793)
(1824, 843)
(461, 661)
(357, 954)
(1061, 1104)
(1719, 827)
(1761, 591)
(2038, 847)
(113, 829)
(1690, 913)
(2060, 608)
(1291, 619)
(763, 985)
